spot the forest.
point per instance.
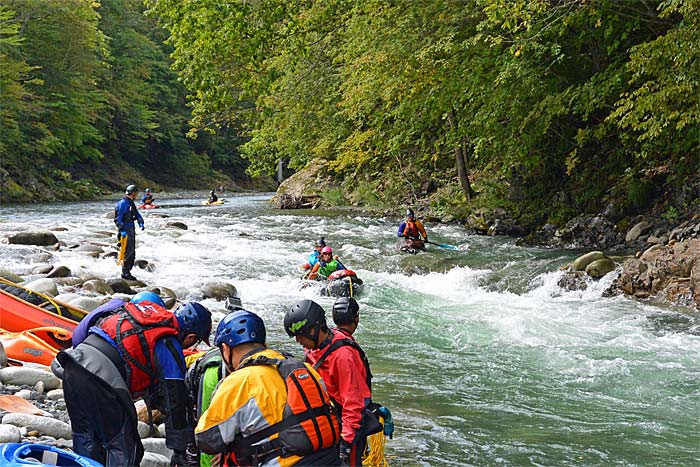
(546, 108)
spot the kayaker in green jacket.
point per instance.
(326, 265)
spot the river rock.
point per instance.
(638, 230)
(581, 262)
(59, 229)
(9, 434)
(41, 238)
(70, 281)
(44, 425)
(157, 446)
(110, 254)
(177, 225)
(26, 376)
(44, 286)
(143, 264)
(168, 295)
(666, 271)
(3, 356)
(25, 394)
(42, 269)
(573, 280)
(120, 286)
(600, 267)
(98, 286)
(10, 276)
(54, 394)
(219, 290)
(86, 303)
(67, 297)
(60, 271)
(151, 459)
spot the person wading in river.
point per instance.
(125, 213)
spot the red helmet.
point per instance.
(327, 249)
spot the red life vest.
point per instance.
(135, 328)
(340, 273)
(309, 422)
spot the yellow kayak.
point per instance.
(215, 203)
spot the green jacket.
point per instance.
(326, 269)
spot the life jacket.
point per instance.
(309, 423)
(194, 375)
(135, 328)
(335, 345)
(340, 273)
(411, 230)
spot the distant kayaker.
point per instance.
(148, 198)
(212, 197)
(315, 255)
(342, 364)
(271, 410)
(326, 265)
(412, 228)
(125, 213)
(136, 351)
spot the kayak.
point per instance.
(22, 309)
(39, 345)
(343, 283)
(148, 206)
(21, 454)
(411, 246)
(215, 203)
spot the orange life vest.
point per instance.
(135, 328)
(309, 422)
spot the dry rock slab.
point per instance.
(24, 376)
(44, 425)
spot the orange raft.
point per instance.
(38, 345)
(18, 314)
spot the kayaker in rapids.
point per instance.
(343, 366)
(125, 213)
(148, 198)
(413, 232)
(212, 197)
(134, 351)
(326, 265)
(266, 394)
(315, 255)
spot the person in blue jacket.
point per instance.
(148, 198)
(125, 214)
(315, 255)
(131, 351)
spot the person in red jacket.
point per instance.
(343, 366)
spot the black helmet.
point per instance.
(211, 192)
(320, 242)
(303, 316)
(345, 311)
(131, 189)
(147, 190)
(409, 212)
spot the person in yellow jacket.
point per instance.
(258, 413)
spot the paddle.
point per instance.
(445, 246)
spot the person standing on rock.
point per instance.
(134, 352)
(125, 214)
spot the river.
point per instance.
(481, 357)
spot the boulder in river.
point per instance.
(44, 286)
(120, 286)
(219, 290)
(143, 264)
(59, 271)
(177, 225)
(583, 261)
(41, 238)
(600, 267)
(44, 425)
(98, 286)
(42, 269)
(10, 276)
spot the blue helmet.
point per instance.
(148, 297)
(240, 327)
(194, 318)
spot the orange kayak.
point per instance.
(17, 314)
(39, 345)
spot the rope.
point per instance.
(374, 453)
(59, 312)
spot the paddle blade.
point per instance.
(447, 247)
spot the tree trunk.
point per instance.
(462, 161)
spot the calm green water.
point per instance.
(482, 359)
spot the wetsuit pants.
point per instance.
(130, 253)
(103, 429)
(358, 448)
